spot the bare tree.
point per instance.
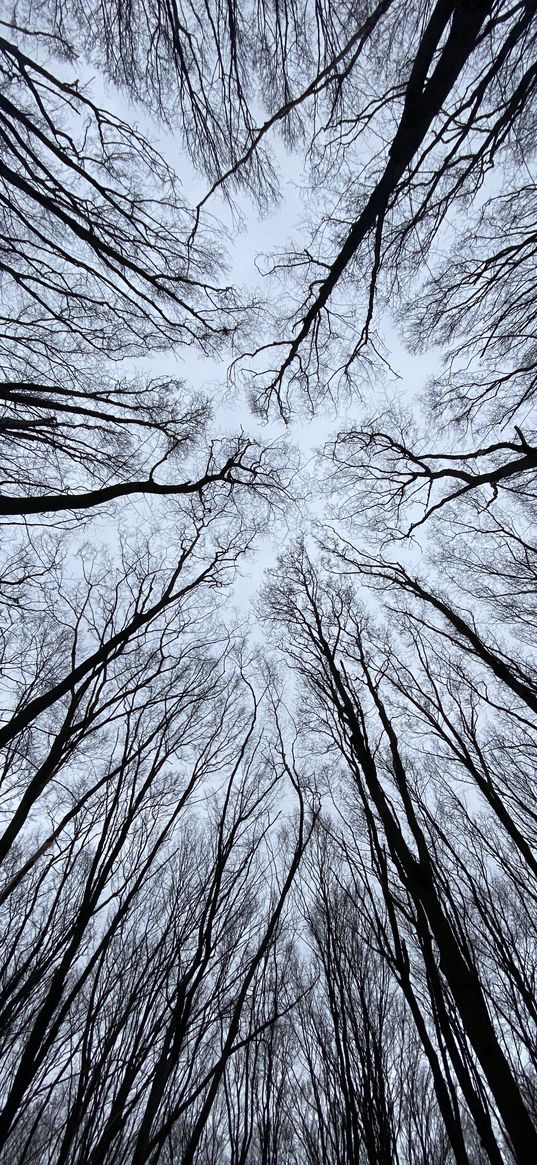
(455, 88)
(327, 640)
(397, 481)
(198, 967)
(93, 258)
(142, 889)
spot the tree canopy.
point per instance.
(268, 869)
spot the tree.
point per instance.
(410, 851)
(200, 963)
(135, 926)
(92, 259)
(453, 105)
(97, 268)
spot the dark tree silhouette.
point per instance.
(326, 637)
(267, 904)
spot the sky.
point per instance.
(246, 242)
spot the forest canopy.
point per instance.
(268, 865)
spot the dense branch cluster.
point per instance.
(268, 892)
